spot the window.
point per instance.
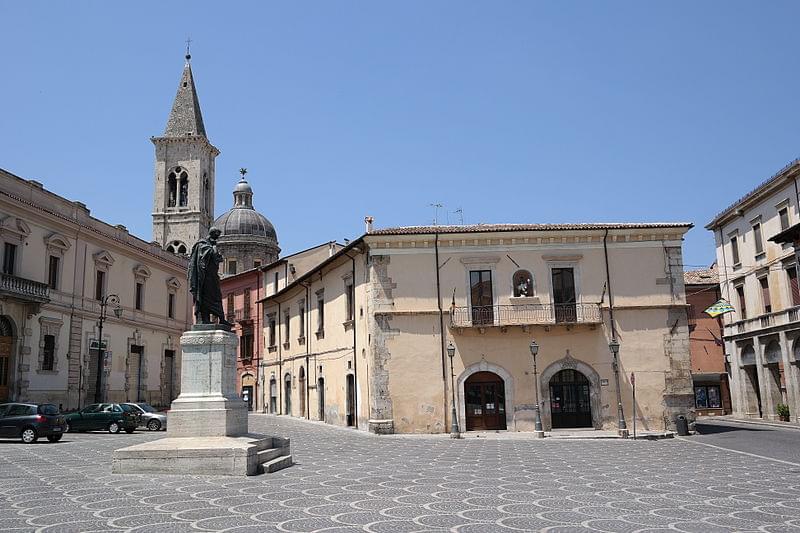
(276, 282)
(481, 296)
(49, 353)
(301, 313)
(247, 345)
(349, 292)
(9, 258)
(707, 397)
(183, 198)
(229, 306)
(286, 330)
(272, 328)
(523, 283)
(320, 312)
(764, 282)
(794, 288)
(742, 303)
(735, 249)
(783, 214)
(171, 305)
(287, 394)
(246, 305)
(758, 241)
(232, 266)
(139, 295)
(100, 285)
(52, 271)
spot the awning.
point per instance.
(714, 377)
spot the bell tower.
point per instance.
(183, 206)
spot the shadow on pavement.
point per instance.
(711, 429)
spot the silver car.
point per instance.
(149, 417)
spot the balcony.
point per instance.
(239, 315)
(525, 315)
(24, 290)
(763, 322)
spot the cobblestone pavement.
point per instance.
(346, 480)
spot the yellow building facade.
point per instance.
(362, 339)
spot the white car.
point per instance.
(149, 416)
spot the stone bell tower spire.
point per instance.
(183, 207)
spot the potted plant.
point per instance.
(783, 412)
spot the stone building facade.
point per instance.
(59, 263)
(183, 206)
(760, 279)
(362, 339)
(248, 239)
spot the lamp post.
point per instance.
(538, 432)
(105, 301)
(622, 427)
(455, 432)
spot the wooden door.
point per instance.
(5, 367)
(485, 402)
(351, 400)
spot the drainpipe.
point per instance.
(355, 351)
(308, 353)
(280, 383)
(441, 330)
(621, 426)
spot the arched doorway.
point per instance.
(301, 386)
(321, 399)
(485, 401)
(248, 389)
(287, 394)
(570, 404)
(351, 400)
(6, 349)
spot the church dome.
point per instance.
(247, 238)
(243, 220)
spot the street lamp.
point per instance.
(455, 432)
(538, 432)
(622, 427)
(105, 301)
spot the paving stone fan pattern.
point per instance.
(346, 480)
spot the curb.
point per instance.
(784, 425)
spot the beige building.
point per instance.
(759, 278)
(362, 338)
(59, 263)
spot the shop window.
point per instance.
(707, 397)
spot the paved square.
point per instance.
(350, 481)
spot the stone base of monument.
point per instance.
(207, 424)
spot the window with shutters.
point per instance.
(758, 239)
(53, 271)
(742, 302)
(794, 288)
(783, 214)
(735, 250)
(765, 299)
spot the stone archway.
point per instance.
(484, 366)
(569, 362)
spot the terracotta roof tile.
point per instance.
(702, 276)
(486, 228)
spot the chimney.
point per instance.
(331, 248)
(368, 222)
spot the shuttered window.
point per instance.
(764, 282)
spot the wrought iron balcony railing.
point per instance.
(525, 315)
(239, 315)
(24, 289)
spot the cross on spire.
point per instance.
(188, 42)
(242, 171)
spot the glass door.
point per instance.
(564, 301)
(481, 297)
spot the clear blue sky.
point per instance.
(513, 111)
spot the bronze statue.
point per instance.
(204, 279)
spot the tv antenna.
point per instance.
(436, 208)
(460, 215)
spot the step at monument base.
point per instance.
(246, 455)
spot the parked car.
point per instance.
(149, 417)
(111, 417)
(30, 421)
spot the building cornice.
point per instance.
(194, 139)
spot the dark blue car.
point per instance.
(29, 422)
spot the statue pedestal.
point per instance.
(207, 424)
